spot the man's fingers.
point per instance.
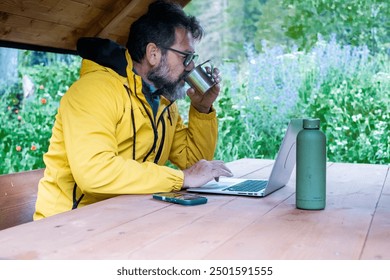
(204, 171)
(220, 169)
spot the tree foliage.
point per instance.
(356, 23)
(295, 23)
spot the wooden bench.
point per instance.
(18, 193)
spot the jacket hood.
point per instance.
(103, 52)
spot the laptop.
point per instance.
(280, 174)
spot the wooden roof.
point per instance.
(57, 24)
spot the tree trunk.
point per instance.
(8, 67)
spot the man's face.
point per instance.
(169, 75)
(161, 76)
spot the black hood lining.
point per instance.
(104, 52)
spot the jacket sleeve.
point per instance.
(90, 112)
(196, 141)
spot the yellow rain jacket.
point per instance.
(107, 142)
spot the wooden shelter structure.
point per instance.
(56, 25)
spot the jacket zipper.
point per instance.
(161, 119)
(154, 126)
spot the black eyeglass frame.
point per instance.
(188, 56)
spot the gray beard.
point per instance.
(170, 90)
(173, 95)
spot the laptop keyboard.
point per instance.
(248, 186)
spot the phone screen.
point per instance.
(181, 195)
(180, 198)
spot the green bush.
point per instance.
(357, 23)
(25, 134)
(355, 114)
(346, 87)
(26, 124)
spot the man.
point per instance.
(118, 124)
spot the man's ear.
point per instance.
(153, 54)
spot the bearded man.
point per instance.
(118, 125)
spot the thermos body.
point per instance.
(311, 167)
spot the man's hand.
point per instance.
(202, 102)
(204, 171)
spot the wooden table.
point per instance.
(354, 225)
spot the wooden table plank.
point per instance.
(378, 241)
(94, 227)
(197, 238)
(53, 233)
(136, 233)
(338, 232)
(355, 224)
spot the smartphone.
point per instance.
(180, 198)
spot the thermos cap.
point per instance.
(311, 123)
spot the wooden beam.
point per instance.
(54, 24)
(128, 10)
(98, 24)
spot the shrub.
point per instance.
(349, 91)
(25, 124)
(344, 86)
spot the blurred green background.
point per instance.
(279, 59)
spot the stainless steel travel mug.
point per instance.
(199, 79)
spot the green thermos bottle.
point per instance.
(311, 166)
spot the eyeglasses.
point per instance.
(188, 56)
